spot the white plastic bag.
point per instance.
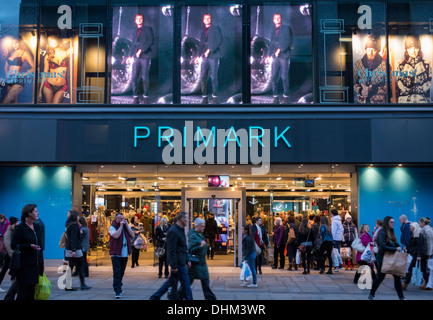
(336, 258)
(245, 273)
(409, 260)
(430, 279)
(357, 245)
(368, 255)
(298, 257)
(416, 275)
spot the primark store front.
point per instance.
(237, 108)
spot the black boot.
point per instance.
(276, 100)
(136, 100)
(204, 100)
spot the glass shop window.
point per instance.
(352, 57)
(141, 53)
(71, 60)
(211, 54)
(281, 54)
(18, 42)
(410, 46)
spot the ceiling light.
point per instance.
(279, 178)
(239, 178)
(122, 178)
(293, 190)
(318, 178)
(200, 178)
(161, 178)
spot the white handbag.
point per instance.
(357, 245)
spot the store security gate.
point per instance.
(229, 208)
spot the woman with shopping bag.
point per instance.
(388, 249)
(427, 232)
(249, 255)
(368, 243)
(416, 250)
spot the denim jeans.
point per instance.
(119, 266)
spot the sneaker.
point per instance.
(118, 296)
(370, 297)
(252, 285)
(85, 287)
(244, 283)
(2, 290)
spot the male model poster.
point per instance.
(142, 51)
(211, 54)
(281, 56)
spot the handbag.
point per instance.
(139, 242)
(417, 278)
(43, 288)
(357, 245)
(368, 255)
(291, 237)
(394, 263)
(63, 241)
(258, 249)
(303, 248)
(193, 258)
(78, 253)
(159, 252)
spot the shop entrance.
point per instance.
(228, 206)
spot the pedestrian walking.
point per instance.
(292, 247)
(405, 231)
(177, 259)
(427, 233)
(197, 248)
(210, 231)
(306, 241)
(25, 238)
(120, 248)
(387, 242)
(366, 240)
(138, 230)
(350, 234)
(249, 255)
(7, 238)
(337, 232)
(416, 250)
(279, 245)
(85, 243)
(325, 250)
(259, 235)
(160, 239)
(74, 249)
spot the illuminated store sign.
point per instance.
(197, 145)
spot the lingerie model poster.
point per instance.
(17, 68)
(411, 60)
(56, 61)
(142, 55)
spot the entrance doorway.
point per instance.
(229, 208)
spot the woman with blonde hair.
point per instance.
(415, 249)
(367, 240)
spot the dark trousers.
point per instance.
(291, 252)
(78, 263)
(26, 292)
(180, 276)
(161, 263)
(85, 264)
(425, 270)
(397, 284)
(280, 70)
(134, 256)
(210, 247)
(306, 258)
(140, 69)
(259, 260)
(325, 251)
(13, 291)
(5, 267)
(119, 266)
(209, 68)
(205, 286)
(279, 252)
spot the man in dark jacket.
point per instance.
(210, 53)
(280, 52)
(210, 231)
(142, 40)
(405, 231)
(177, 259)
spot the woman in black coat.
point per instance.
(160, 238)
(74, 250)
(26, 239)
(387, 242)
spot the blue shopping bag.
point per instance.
(416, 275)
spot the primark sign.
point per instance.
(192, 144)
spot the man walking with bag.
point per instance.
(177, 259)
